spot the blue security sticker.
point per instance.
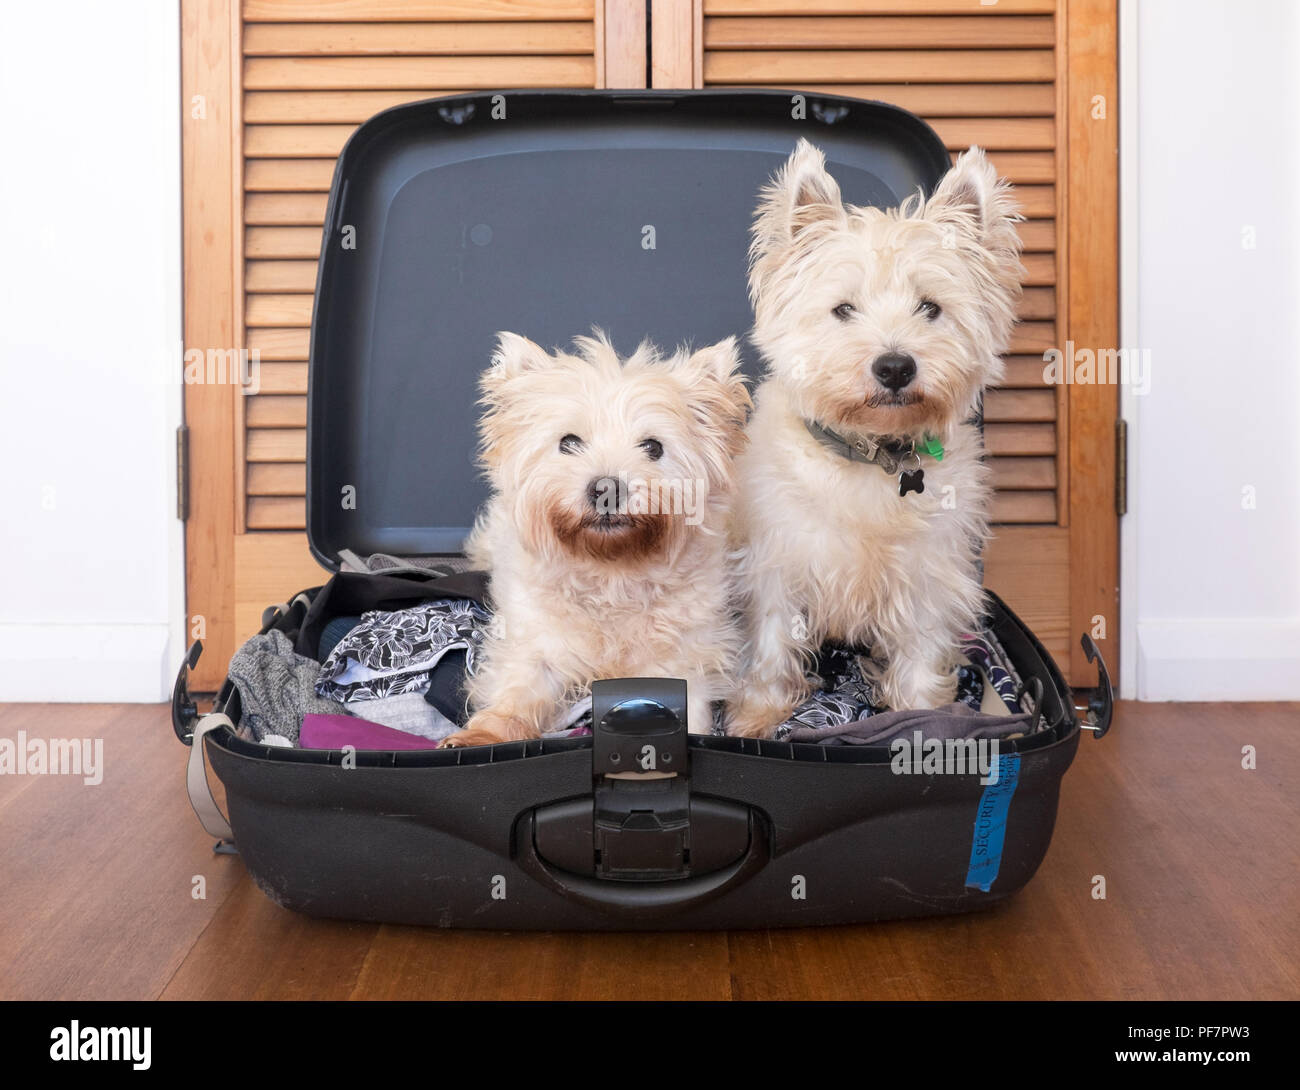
(991, 824)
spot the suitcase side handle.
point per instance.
(642, 900)
(1100, 709)
(205, 806)
(185, 713)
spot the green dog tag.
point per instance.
(930, 445)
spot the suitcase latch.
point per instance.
(641, 826)
(640, 823)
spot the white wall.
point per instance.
(1211, 584)
(91, 574)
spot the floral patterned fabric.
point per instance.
(844, 695)
(983, 649)
(391, 653)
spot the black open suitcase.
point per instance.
(547, 213)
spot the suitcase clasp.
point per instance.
(640, 823)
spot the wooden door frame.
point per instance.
(1091, 116)
(211, 150)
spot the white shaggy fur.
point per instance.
(577, 599)
(827, 548)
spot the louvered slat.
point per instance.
(954, 99)
(778, 68)
(282, 378)
(277, 513)
(277, 479)
(278, 344)
(883, 32)
(998, 8)
(288, 175)
(280, 276)
(401, 11)
(377, 73)
(420, 39)
(275, 411)
(302, 107)
(277, 445)
(285, 209)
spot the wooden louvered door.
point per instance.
(1033, 82)
(274, 88)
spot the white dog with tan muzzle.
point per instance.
(862, 503)
(606, 531)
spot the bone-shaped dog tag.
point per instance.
(911, 481)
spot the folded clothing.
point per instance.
(391, 653)
(333, 632)
(336, 731)
(985, 651)
(408, 712)
(276, 689)
(406, 669)
(844, 695)
(953, 721)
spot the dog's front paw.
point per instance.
(463, 738)
(756, 717)
(912, 690)
(487, 728)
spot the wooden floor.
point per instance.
(1201, 860)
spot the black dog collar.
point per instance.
(892, 455)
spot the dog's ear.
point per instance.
(971, 197)
(801, 194)
(978, 213)
(513, 356)
(716, 390)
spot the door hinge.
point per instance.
(1121, 467)
(183, 472)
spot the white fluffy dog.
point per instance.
(862, 496)
(605, 534)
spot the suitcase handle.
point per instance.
(643, 899)
(196, 780)
(1100, 708)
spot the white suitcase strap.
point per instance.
(196, 779)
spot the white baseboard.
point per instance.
(86, 663)
(1219, 660)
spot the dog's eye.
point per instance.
(654, 450)
(844, 311)
(931, 310)
(570, 444)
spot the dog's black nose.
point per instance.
(894, 370)
(607, 495)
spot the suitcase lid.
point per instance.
(544, 213)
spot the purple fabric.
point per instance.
(337, 731)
